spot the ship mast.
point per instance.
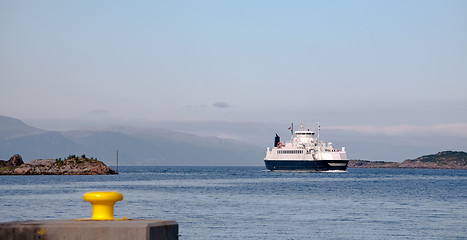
(319, 128)
(291, 132)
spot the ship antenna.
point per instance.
(319, 128)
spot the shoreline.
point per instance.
(72, 165)
(441, 160)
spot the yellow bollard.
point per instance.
(103, 204)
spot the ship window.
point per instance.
(290, 151)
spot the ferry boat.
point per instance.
(305, 152)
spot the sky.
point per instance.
(378, 66)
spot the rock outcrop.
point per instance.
(69, 166)
(14, 161)
(441, 160)
(372, 164)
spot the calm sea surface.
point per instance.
(251, 203)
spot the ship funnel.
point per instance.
(277, 139)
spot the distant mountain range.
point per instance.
(136, 146)
(200, 143)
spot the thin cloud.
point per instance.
(99, 112)
(196, 106)
(221, 105)
(456, 129)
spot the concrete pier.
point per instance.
(87, 230)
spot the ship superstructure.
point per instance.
(305, 152)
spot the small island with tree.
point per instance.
(441, 160)
(72, 165)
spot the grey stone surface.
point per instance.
(86, 229)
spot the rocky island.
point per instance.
(72, 165)
(441, 160)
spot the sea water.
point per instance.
(252, 203)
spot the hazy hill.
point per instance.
(11, 127)
(192, 142)
(137, 146)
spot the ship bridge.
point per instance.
(304, 137)
(304, 133)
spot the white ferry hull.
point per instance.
(310, 166)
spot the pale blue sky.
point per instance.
(376, 63)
